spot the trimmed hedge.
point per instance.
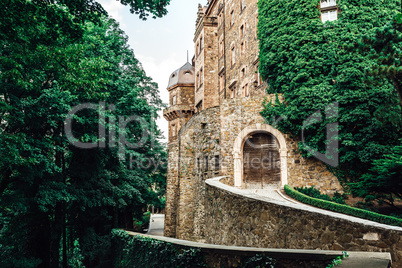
(345, 209)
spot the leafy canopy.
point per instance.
(58, 203)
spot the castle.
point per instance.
(215, 126)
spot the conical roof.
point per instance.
(183, 75)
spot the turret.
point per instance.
(181, 99)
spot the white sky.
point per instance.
(159, 44)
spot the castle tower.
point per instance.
(180, 110)
(181, 99)
(206, 61)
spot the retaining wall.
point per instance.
(239, 219)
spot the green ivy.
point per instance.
(338, 260)
(138, 251)
(345, 209)
(313, 64)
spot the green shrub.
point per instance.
(313, 192)
(345, 209)
(138, 251)
(259, 261)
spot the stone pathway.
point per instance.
(156, 224)
(271, 192)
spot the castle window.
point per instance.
(203, 125)
(233, 92)
(222, 81)
(220, 18)
(206, 164)
(197, 50)
(198, 81)
(243, 72)
(201, 77)
(198, 163)
(174, 100)
(221, 47)
(201, 44)
(232, 56)
(258, 80)
(243, 47)
(242, 5)
(329, 10)
(231, 17)
(199, 106)
(173, 130)
(217, 162)
(245, 90)
(242, 31)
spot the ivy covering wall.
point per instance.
(314, 64)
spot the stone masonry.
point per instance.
(239, 219)
(215, 105)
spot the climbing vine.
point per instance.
(314, 64)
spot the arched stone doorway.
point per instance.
(238, 150)
(261, 161)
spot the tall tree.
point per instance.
(58, 201)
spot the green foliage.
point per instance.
(384, 182)
(384, 47)
(313, 64)
(338, 260)
(345, 209)
(59, 54)
(259, 261)
(137, 251)
(313, 192)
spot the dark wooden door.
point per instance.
(261, 161)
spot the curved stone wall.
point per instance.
(242, 219)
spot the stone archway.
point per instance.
(238, 151)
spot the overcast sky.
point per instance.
(160, 44)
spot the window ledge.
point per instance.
(329, 8)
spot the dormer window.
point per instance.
(329, 10)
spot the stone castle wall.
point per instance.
(193, 159)
(209, 135)
(238, 220)
(172, 190)
(204, 150)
